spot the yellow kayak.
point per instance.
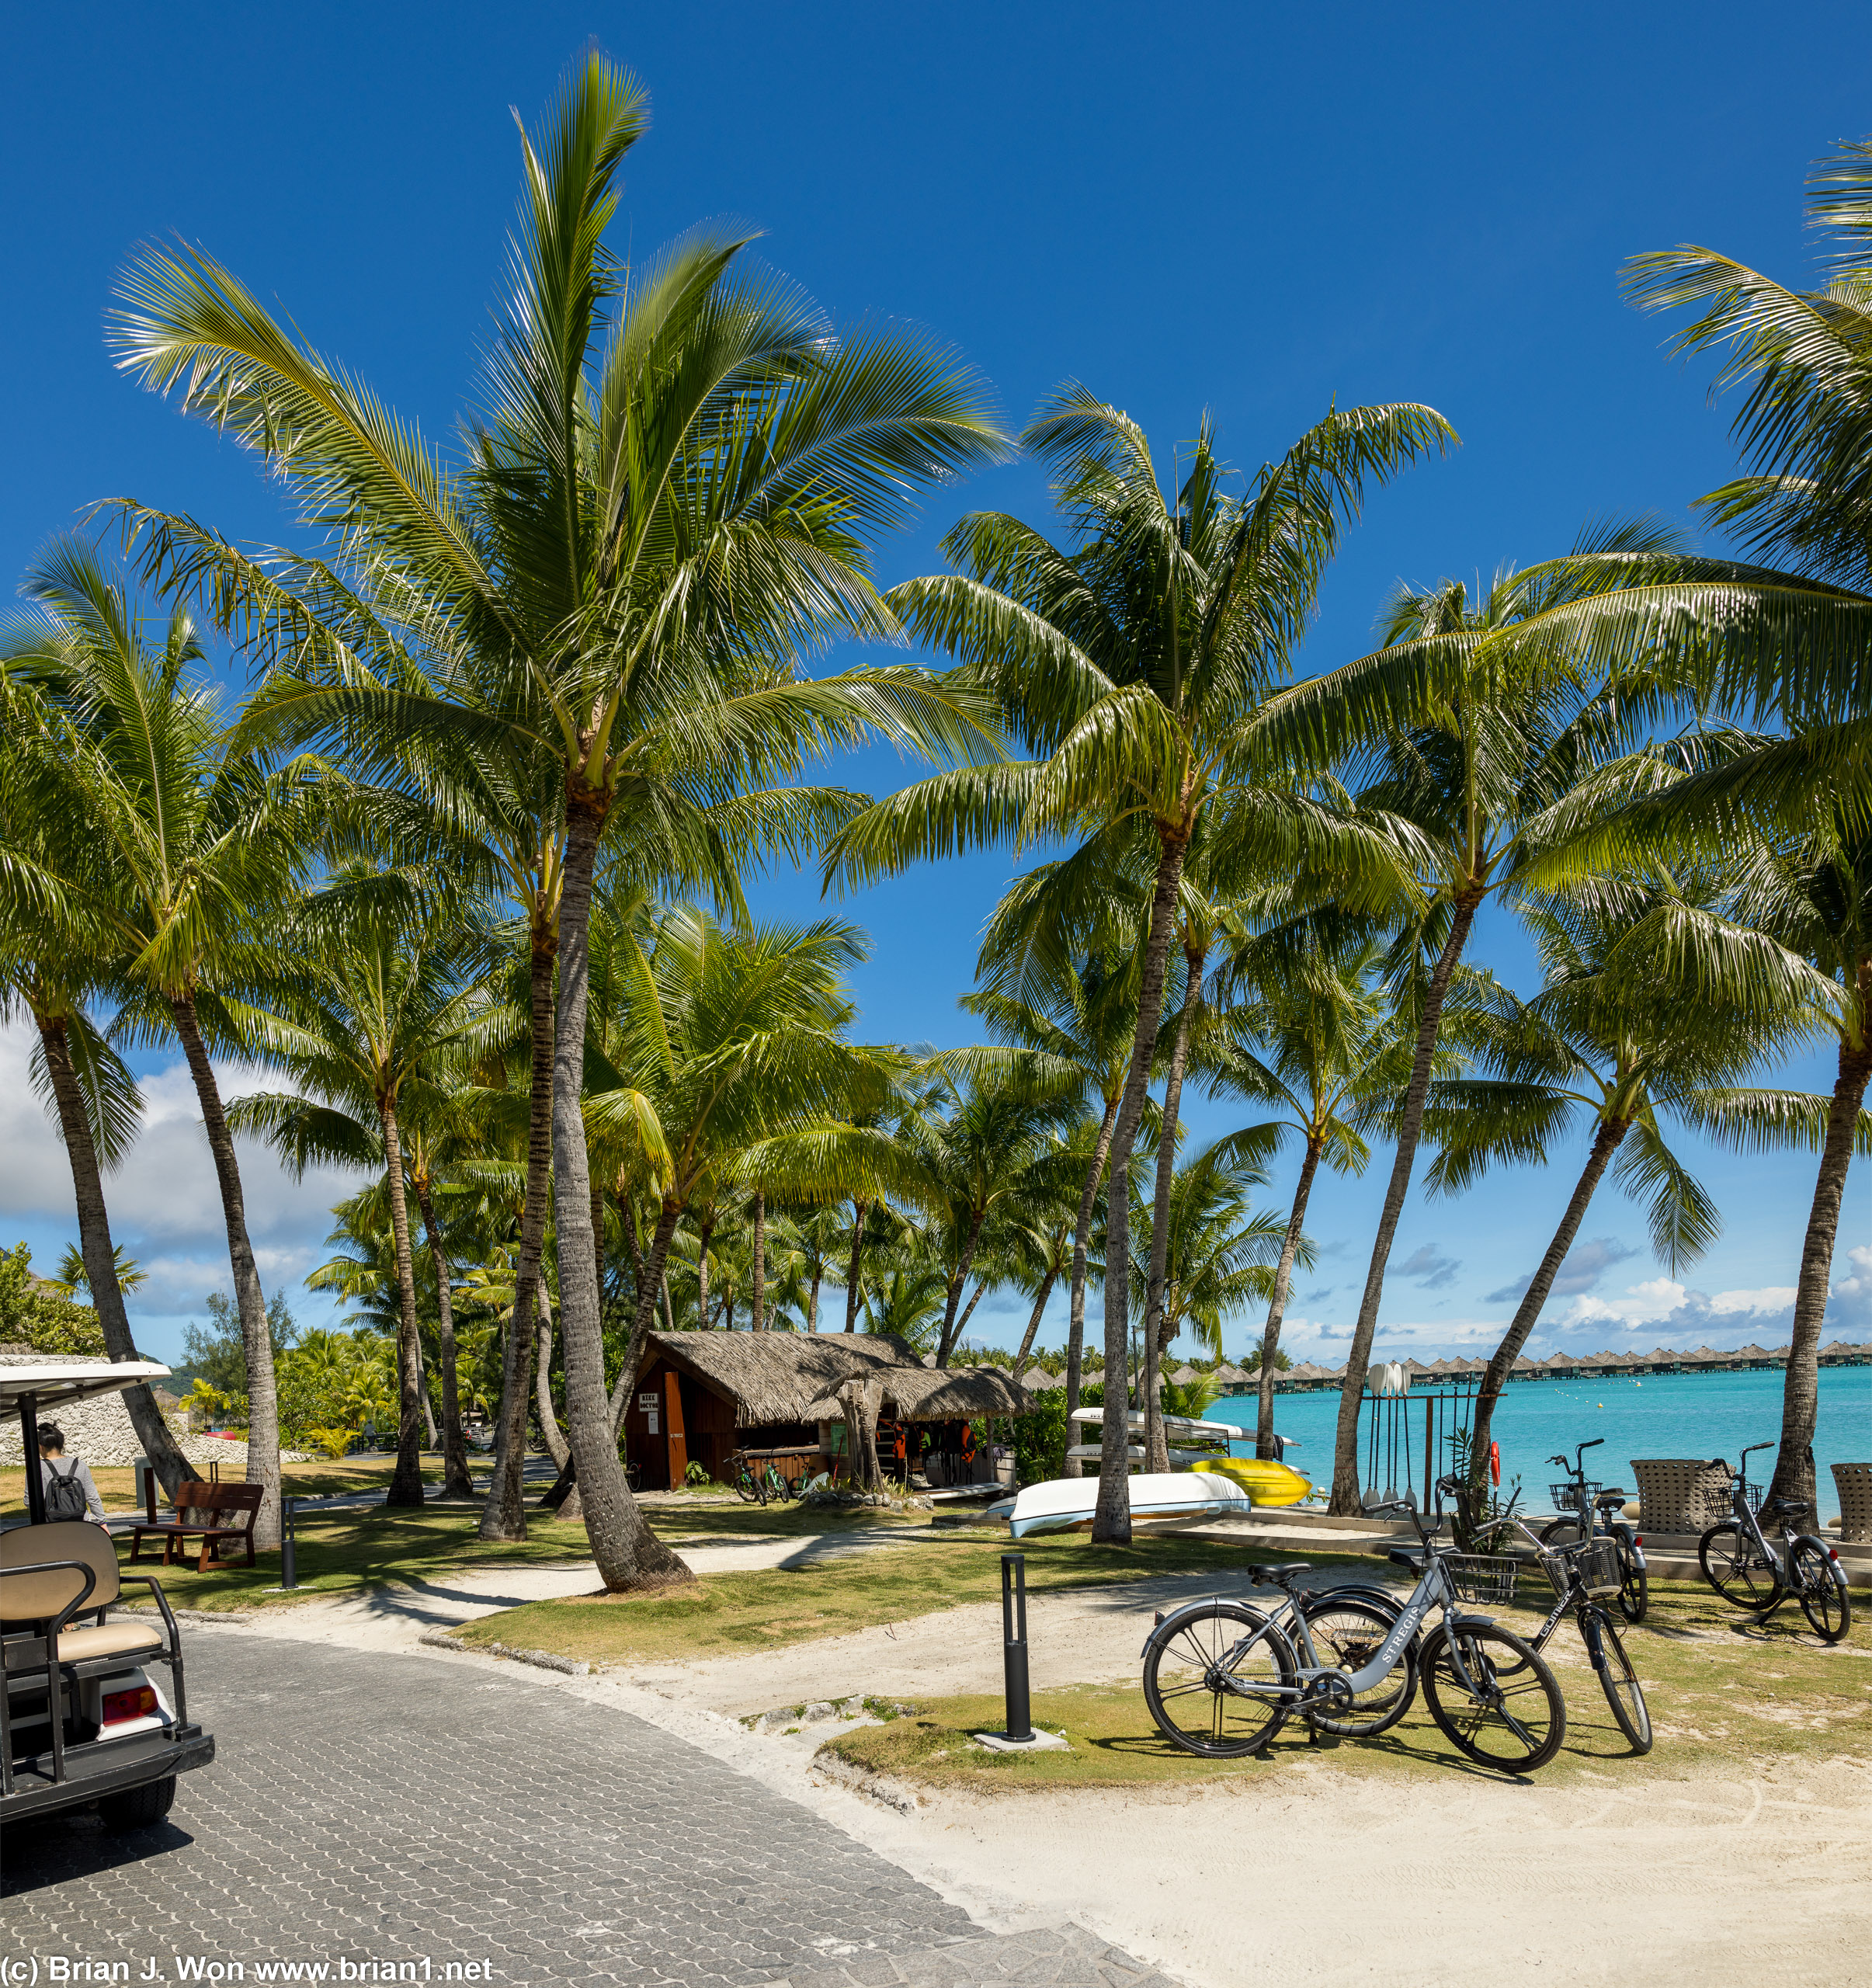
(1266, 1483)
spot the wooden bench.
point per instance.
(198, 1507)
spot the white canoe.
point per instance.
(1180, 1425)
(1065, 1501)
(1087, 1451)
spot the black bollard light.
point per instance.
(288, 1558)
(1014, 1644)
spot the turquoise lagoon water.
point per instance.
(1665, 1415)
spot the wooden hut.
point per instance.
(702, 1395)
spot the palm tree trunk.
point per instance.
(456, 1482)
(851, 1279)
(1501, 1362)
(812, 1297)
(406, 1480)
(504, 1516)
(628, 1554)
(1277, 1307)
(704, 1231)
(1112, 1520)
(1082, 1236)
(1794, 1463)
(171, 1467)
(1039, 1305)
(946, 1342)
(758, 1297)
(543, 1390)
(1345, 1501)
(256, 1340)
(1156, 1450)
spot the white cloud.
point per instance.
(165, 1206)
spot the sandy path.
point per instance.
(1318, 1876)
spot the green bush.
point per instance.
(32, 1316)
(1040, 1438)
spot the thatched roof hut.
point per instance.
(701, 1395)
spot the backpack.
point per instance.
(65, 1495)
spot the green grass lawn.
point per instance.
(1724, 1690)
(728, 1615)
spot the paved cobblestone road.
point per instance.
(389, 1808)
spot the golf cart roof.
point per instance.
(57, 1382)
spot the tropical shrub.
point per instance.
(34, 1315)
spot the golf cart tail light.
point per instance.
(120, 1705)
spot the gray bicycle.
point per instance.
(1744, 1566)
(1222, 1676)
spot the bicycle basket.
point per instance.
(1597, 1564)
(1753, 1493)
(1481, 1577)
(1566, 1496)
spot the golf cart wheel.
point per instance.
(138, 1808)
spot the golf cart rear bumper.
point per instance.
(107, 1767)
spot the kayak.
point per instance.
(1266, 1483)
(1066, 1501)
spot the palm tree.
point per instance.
(384, 992)
(1619, 1033)
(1314, 1036)
(982, 1142)
(1815, 897)
(204, 849)
(657, 513)
(1135, 667)
(1472, 738)
(1082, 1013)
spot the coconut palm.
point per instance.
(1081, 1012)
(1312, 1034)
(659, 509)
(43, 933)
(1134, 667)
(383, 990)
(1473, 739)
(204, 849)
(1620, 1036)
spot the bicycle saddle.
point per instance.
(1285, 1572)
(1410, 1557)
(1607, 1500)
(1776, 1507)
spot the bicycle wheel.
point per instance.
(1822, 1586)
(1346, 1633)
(746, 1488)
(1634, 1586)
(1562, 1532)
(1736, 1568)
(1189, 1665)
(1617, 1678)
(1510, 1714)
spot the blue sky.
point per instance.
(1245, 209)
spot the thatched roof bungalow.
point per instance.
(701, 1395)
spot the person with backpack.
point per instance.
(71, 1492)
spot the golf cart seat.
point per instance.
(30, 1601)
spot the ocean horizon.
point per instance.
(1658, 1415)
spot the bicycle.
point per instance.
(751, 1485)
(1739, 1561)
(1585, 1574)
(1595, 1504)
(1221, 1678)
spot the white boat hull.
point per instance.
(1069, 1501)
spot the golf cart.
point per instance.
(117, 1741)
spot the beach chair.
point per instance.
(1681, 1494)
(1854, 1483)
